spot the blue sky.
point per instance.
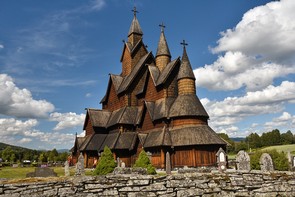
(55, 57)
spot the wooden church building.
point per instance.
(151, 105)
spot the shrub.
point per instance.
(106, 162)
(279, 159)
(143, 161)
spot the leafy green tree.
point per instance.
(7, 153)
(287, 138)
(106, 162)
(143, 161)
(231, 147)
(240, 146)
(253, 140)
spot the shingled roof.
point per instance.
(125, 115)
(135, 27)
(126, 140)
(158, 137)
(128, 79)
(167, 71)
(163, 48)
(194, 135)
(94, 143)
(99, 118)
(185, 70)
(187, 105)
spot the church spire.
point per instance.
(163, 56)
(135, 33)
(186, 78)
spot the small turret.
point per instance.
(163, 56)
(186, 78)
(135, 33)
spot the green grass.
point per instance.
(280, 148)
(20, 172)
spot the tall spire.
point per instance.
(163, 56)
(135, 27)
(185, 70)
(162, 45)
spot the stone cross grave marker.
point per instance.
(67, 168)
(266, 163)
(168, 163)
(80, 166)
(243, 161)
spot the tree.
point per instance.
(143, 161)
(287, 138)
(7, 153)
(106, 162)
(253, 140)
(231, 147)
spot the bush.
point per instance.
(143, 161)
(279, 159)
(106, 162)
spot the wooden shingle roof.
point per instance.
(187, 105)
(194, 135)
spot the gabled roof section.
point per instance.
(125, 115)
(150, 106)
(163, 48)
(161, 108)
(155, 72)
(143, 85)
(167, 71)
(185, 70)
(98, 118)
(93, 142)
(131, 48)
(110, 141)
(187, 105)
(129, 79)
(117, 80)
(86, 140)
(159, 137)
(127, 140)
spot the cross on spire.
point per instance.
(162, 27)
(134, 11)
(183, 43)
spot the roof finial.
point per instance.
(162, 27)
(134, 11)
(183, 43)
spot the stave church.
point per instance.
(151, 105)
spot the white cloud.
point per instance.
(98, 4)
(1, 46)
(24, 140)
(11, 126)
(19, 102)
(67, 120)
(231, 110)
(258, 50)
(286, 120)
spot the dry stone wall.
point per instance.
(230, 183)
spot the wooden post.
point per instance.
(85, 160)
(194, 158)
(162, 158)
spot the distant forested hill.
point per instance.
(15, 148)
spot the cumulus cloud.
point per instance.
(285, 120)
(259, 49)
(230, 111)
(67, 120)
(11, 126)
(98, 4)
(19, 102)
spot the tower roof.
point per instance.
(185, 70)
(162, 45)
(135, 27)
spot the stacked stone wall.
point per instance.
(254, 183)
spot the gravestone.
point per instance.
(221, 160)
(293, 161)
(67, 168)
(42, 172)
(243, 161)
(168, 163)
(123, 165)
(118, 162)
(266, 163)
(80, 166)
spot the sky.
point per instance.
(56, 56)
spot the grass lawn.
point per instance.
(280, 148)
(20, 172)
